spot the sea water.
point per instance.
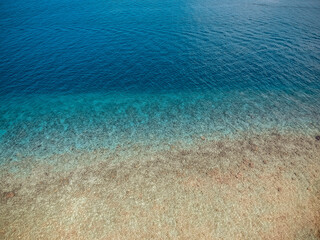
(108, 73)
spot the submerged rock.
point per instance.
(8, 195)
(318, 138)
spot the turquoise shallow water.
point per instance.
(48, 124)
(92, 74)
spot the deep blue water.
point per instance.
(101, 73)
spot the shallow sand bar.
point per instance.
(254, 187)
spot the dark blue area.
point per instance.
(152, 46)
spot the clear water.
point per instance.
(105, 73)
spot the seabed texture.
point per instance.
(264, 186)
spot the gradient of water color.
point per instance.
(99, 73)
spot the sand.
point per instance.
(264, 186)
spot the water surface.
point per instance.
(101, 74)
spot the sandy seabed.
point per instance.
(263, 186)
